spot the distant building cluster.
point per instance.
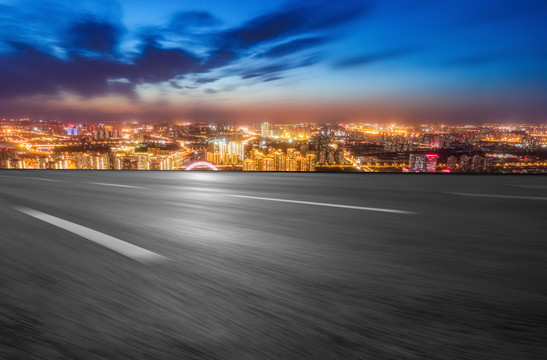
(327, 153)
(224, 152)
(428, 163)
(423, 163)
(9, 159)
(470, 164)
(300, 147)
(273, 160)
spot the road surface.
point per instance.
(219, 265)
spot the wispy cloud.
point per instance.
(368, 59)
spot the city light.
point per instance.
(436, 148)
(201, 164)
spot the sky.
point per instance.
(312, 60)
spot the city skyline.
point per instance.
(301, 147)
(284, 61)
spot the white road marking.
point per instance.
(539, 187)
(325, 204)
(115, 185)
(32, 178)
(50, 180)
(121, 247)
(500, 196)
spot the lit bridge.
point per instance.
(201, 164)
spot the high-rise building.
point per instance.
(417, 163)
(280, 161)
(310, 163)
(330, 157)
(266, 164)
(452, 163)
(222, 152)
(339, 156)
(476, 164)
(293, 164)
(82, 161)
(322, 149)
(290, 153)
(100, 162)
(431, 164)
(265, 129)
(423, 163)
(249, 165)
(465, 164)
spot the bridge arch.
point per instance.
(202, 163)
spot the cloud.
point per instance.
(295, 46)
(30, 71)
(192, 19)
(175, 85)
(371, 58)
(156, 64)
(203, 81)
(93, 35)
(294, 18)
(273, 78)
(81, 53)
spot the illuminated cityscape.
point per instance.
(29, 144)
(281, 179)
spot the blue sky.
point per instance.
(406, 59)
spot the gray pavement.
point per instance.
(271, 266)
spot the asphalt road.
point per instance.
(204, 265)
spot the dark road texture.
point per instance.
(204, 265)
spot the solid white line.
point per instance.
(50, 180)
(115, 185)
(530, 186)
(324, 204)
(121, 247)
(500, 196)
(32, 178)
